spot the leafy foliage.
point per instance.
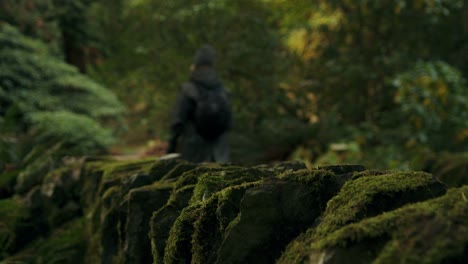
(303, 74)
(47, 104)
(433, 98)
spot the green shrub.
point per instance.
(433, 100)
(48, 109)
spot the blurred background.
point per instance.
(379, 83)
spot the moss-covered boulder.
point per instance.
(120, 200)
(273, 213)
(365, 195)
(66, 244)
(173, 211)
(369, 195)
(141, 203)
(434, 231)
(163, 219)
(251, 220)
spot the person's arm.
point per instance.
(183, 109)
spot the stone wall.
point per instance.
(172, 211)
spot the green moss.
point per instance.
(342, 169)
(214, 217)
(322, 181)
(434, 231)
(282, 167)
(364, 195)
(163, 219)
(113, 173)
(207, 235)
(13, 217)
(65, 245)
(228, 203)
(142, 202)
(366, 173)
(179, 243)
(178, 170)
(99, 176)
(297, 250)
(369, 196)
(309, 177)
(119, 169)
(111, 197)
(211, 182)
(192, 176)
(162, 167)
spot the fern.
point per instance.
(81, 134)
(50, 103)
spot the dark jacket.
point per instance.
(184, 138)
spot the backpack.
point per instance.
(212, 115)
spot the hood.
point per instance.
(205, 77)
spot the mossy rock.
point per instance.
(105, 186)
(342, 169)
(172, 211)
(250, 221)
(365, 195)
(162, 167)
(179, 243)
(163, 219)
(281, 167)
(434, 231)
(119, 169)
(178, 170)
(213, 181)
(67, 244)
(215, 216)
(371, 195)
(141, 203)
(274, 213)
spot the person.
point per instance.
(202, 116)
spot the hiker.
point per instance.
(202, 115)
